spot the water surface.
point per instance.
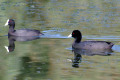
(50, 57)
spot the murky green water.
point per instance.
(50, 57)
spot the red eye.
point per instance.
(73, 33)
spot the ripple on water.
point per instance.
(103, 37)
(52, 33)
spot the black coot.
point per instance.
(88, 44)
(21, 32)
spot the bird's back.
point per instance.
(93, 45)
(26, 32)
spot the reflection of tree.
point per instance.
(32, 70)
(35, 64)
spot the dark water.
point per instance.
(50, 57)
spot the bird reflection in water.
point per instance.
(12, 40)
(79, 52)
(77, 59)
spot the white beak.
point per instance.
(6, 22)
(70, 36)
(6, 48)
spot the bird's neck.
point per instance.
(78, 39)
(11, 28)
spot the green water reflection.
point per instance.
(50, 58)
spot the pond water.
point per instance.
(50, 57)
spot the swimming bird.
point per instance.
(20, 32)
(77, 44)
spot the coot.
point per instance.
(77, 44)
(21, 32)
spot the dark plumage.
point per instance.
(21, 32)
(88, 44)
